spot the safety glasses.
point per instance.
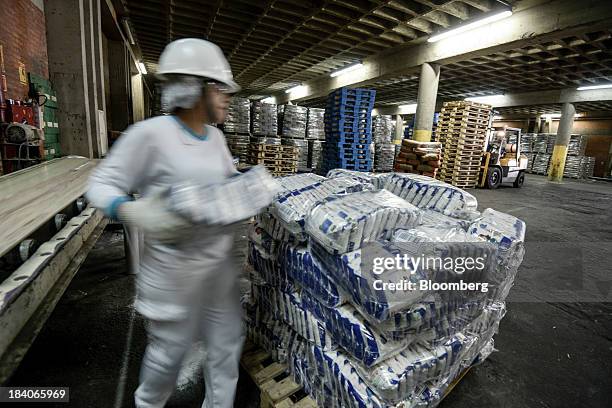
(219, 87)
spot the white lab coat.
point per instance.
(188, 290)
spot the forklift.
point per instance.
(502, 161)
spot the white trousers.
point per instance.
(218, 324)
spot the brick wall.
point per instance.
(23, 38)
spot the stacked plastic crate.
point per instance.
(42, 87)
(348, 129)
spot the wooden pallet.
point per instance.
(277, 388)
(262, 147)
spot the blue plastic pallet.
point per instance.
(349, 106)
(358, 146)
(354, 91)
(344, 162)
(347, 127)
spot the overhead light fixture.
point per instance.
(295, 88)
(142, 68)
(478, 23)
(589, 87)
(484, 99)
(497, 117)
(558, 115)
(269, 99)
(408, 109)
(128, 31)
(344, 70)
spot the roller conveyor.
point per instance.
(31, 197)
(41, 205)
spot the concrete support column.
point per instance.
(399, 129)
(75, 67)
(426, 101)
(120, 84)
(557, 161)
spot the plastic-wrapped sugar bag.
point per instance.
(298, 263)
(428, 193)
(507, 233)
(261, 238)
(272, 335)
(287, 306)
(302, 320)
(338, 379)
(292, 206)
(344, 223)
(248, 194)
(265, 263)
(273, 227)
(400, 377)
(298, 181)
(378, 180)
(357, 280)
(403, 375)
(349, 329)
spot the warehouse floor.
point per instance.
(557, 330)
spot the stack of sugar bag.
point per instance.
(238, 118)
(264, 119)
(315, 126)
(384, 157)
(293, 121)
(347, 343)
(383, 129)
(315, 155)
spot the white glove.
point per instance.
(150, 215)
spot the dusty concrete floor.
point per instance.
(555, 343)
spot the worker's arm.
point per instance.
(122, 172)
(128, 169)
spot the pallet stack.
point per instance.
(314, 308)
(315, 155)
(348, 129)
(302, 150)
(238, 118)
(280, 160)
(315, 126)
(238, 145)
(418, 158)
(264, 119)
(293, 121)
(462, 130)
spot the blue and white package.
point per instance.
(342, 224)
(428, 193)
(248, 194)
(298, 263)
(292, 206)
(265, 263)
(377, 180)
(349, 329)
(288, 307)
(402, 376)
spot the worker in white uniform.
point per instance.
(187, 284)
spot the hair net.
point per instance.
(181, 91)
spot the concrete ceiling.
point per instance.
(276, 44)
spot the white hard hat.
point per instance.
(194, 56)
